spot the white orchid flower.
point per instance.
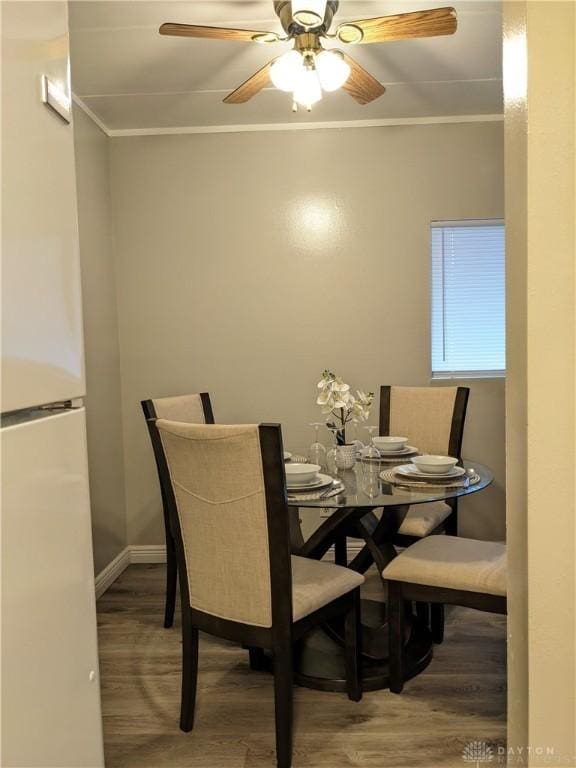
(327, 377)
(325, 398)
(364, 398)
(335, 397)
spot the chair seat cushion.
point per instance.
(316, 583)
(422, 519)
(452, 563)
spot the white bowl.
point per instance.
(300, 474)
(434, 465)
(389, 444)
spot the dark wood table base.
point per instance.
(319, 656)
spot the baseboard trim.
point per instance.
(133, 553)
(353, 547)
(113, 570)
(147, 553)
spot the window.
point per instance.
(468, 299)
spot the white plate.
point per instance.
(404, 452)
(411, 470)
(287, 455)
(322, 481)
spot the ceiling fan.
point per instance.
(309, 68)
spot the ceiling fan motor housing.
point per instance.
(283, 9)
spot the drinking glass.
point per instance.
(332, 454)
(370, 451)
(317, 452)
(358, 443)
(371, 466)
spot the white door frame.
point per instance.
(539, 89)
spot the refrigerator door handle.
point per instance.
(64, 405)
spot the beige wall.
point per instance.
(103, 407)
(540, 84)
(249, 262)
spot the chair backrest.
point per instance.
(193, 409)
(432, 418)
(226, 493)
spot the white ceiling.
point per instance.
(133, 78)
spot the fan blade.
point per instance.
(404, 26)
(219, 33)
(361, 85)
(250, 87)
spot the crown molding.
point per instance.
(264, 127)
(267, 127)
(94, 117)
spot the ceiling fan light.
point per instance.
(333, 70)
(286, 71)
(309, 13)
(308, 90)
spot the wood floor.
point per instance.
(460, 698)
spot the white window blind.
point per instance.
(468, 298)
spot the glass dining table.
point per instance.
(374, 519)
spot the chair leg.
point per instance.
(189, 673)
(396, 629)
(353, 648)
(451, 523)
(283, 703)
(256, 658)
(171, 578)
(340, 551)
(423, 613)
(437, 622)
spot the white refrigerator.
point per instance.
(50, 682)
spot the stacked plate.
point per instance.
(305, 477)
(411, 471)
(392, 451)
(408, 450)
(321, 481)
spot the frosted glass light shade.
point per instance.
(333, 71)
(286, 71)
(308, 13)
(308, 90)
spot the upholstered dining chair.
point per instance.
(432, 418)
(226, 494)
(193, 409)
(447, 570)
